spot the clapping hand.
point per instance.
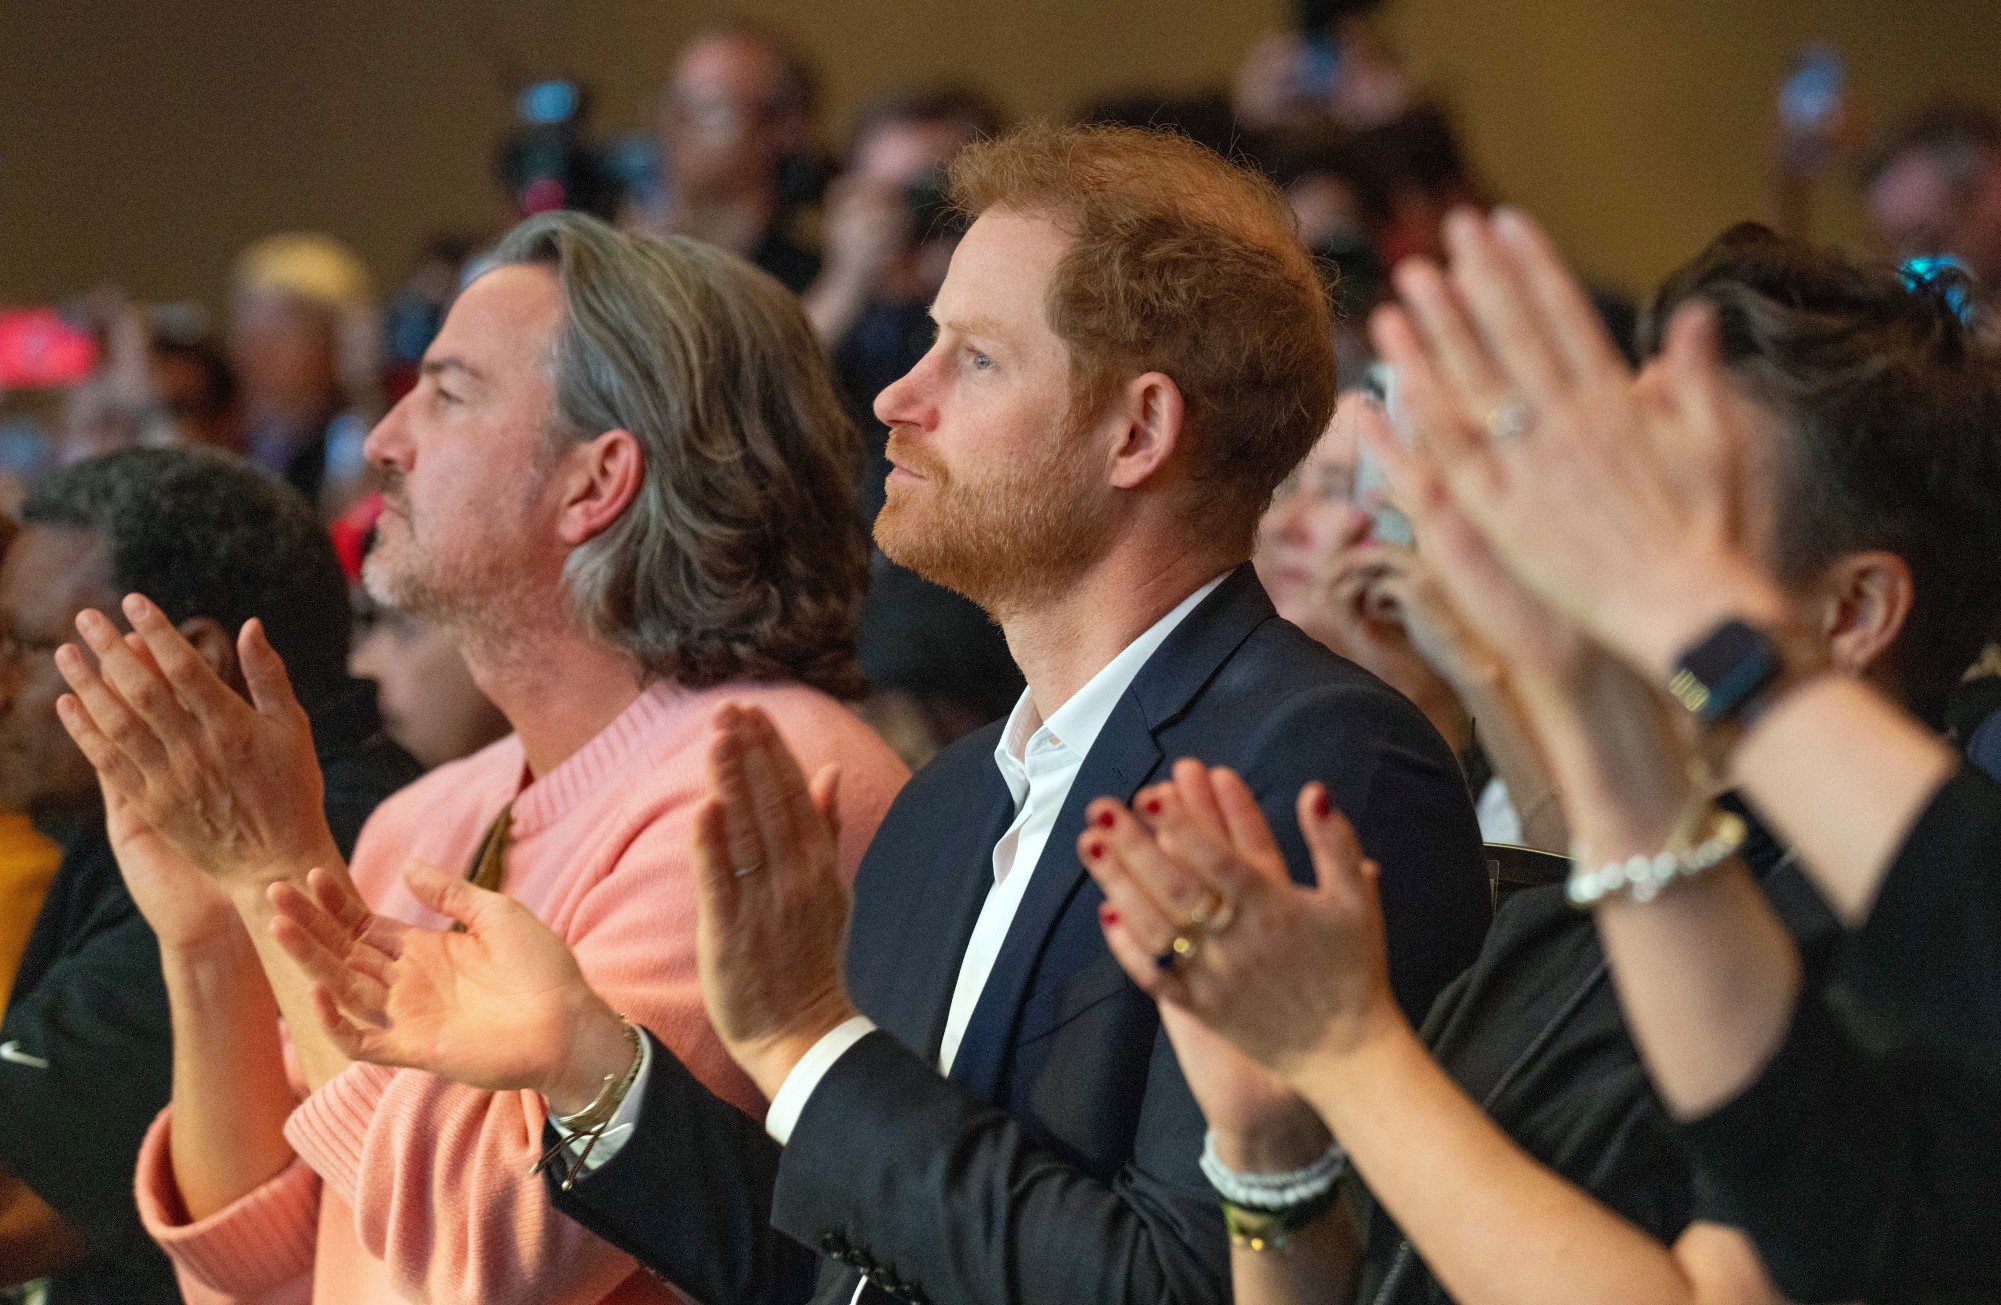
(1614, 501)
(500, 1005)
(774, 907)
(1200, 912)
(232, 785)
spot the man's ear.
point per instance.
(603, 477)
(217, 647)
(1149, 413)
(1865, 600)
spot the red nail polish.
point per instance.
(1322, 804)
(1096, 851)
(1153, 806)
(1107, 914)
(1106, 819)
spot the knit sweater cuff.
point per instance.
(255, 1244)
(330, 1128)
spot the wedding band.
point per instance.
(744, 871)
(1509, 421)
(1182, 948)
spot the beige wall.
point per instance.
(143, 141)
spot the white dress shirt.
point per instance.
(1039, 761)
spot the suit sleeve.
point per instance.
(689, 1196)
(933, 1195)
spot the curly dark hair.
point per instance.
(742, 555)
(202, 533)
(1892, 407)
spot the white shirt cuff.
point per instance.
(622, 1120)
(787, 1106)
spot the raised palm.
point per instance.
(488, 1006)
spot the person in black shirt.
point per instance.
(1846, 1120)
(85, 1046)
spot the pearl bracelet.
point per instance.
(1271, 1192)
(1643, 877)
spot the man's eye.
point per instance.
(446, 396)
(980, 361)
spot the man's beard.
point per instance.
(466, 589)
(1008, 541)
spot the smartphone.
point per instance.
(39, 350)
(1372, 486)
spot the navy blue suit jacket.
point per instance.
(1058, 1162)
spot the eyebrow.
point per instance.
(449, 363)
(981, 326)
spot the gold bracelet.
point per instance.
(606, 1103)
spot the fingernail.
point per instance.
(1106, 819)
(1153, 806)
(134, 604)
(1107, 914)
(1510, 223)
(1322, 804)
(1095, 851)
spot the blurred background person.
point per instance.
(736, 125)
(304, 342)
(28, 857)
(1933, 188)
(430, 705)
(1331, 67)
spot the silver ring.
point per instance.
(745, 871)
(1509, 421)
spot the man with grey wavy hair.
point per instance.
(625, 480)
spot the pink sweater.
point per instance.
(411, 1187)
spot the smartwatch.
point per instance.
(1725, 672)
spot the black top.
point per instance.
(90, 1000)
(1863, 1159)
(1533, 1033)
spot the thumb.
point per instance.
(264, 673)
(826, 791)
(1330, 839)
(439, 890)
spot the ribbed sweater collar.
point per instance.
(585, 773)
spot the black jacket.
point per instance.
(91, 1002)
(1058, 1163)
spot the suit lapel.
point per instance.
(1122, 759)
(916, 996)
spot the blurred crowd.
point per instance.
(1362, 547)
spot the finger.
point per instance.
(732, 790)
(1249, 833)
(1574, 322)
(1140, 964)
(1412, 474)
(1127, 900)
(115, 770)
(148, 699)
(362, 994)
(1502, 309)
(1191, 785)
(446, 894)
(718, 888)
(826, 789)
(133, 747)
(1691, 354)
(1466, 371)
(1330, 839)
(786, 812)
(1179, 890)
(264, 674)
(1210, 874)
(187, 673)
(1440, 421)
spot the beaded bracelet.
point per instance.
(1272, 1192)
(1643, 877)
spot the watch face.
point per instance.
(1723, 672)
